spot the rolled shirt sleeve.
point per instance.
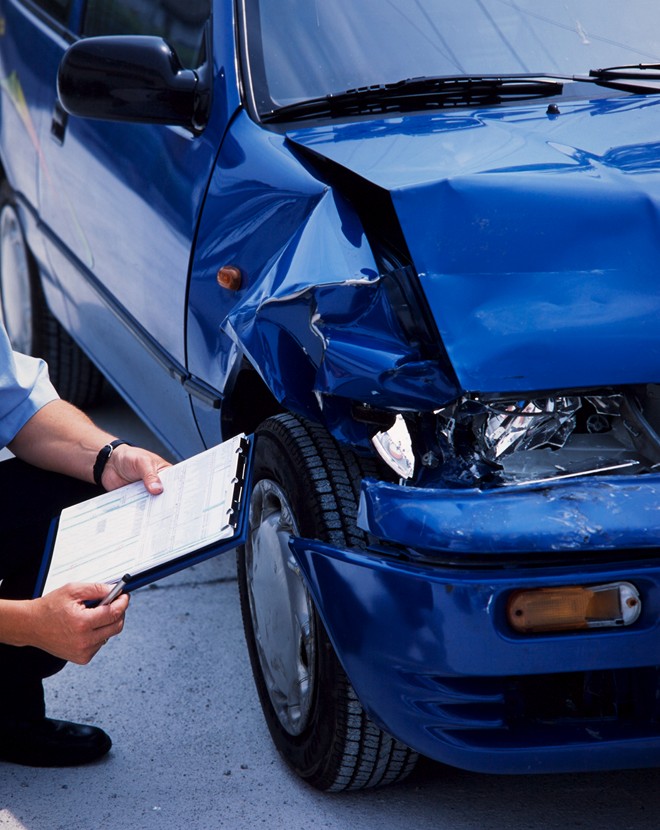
(24, 388)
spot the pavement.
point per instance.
(192, 752)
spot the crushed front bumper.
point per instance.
(421, 629)
(581, 514)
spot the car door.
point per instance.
(33, 33)
(119, 204)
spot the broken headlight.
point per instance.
(479, 441)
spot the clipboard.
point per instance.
(163, 534)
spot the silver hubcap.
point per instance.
(281, 608)
(15, 282)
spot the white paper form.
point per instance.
(130, 531)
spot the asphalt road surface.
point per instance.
(191, 750)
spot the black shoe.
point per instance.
(52, 743)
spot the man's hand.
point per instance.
(128, 464)
(61, 624)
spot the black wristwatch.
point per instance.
(102, 459)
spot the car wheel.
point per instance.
(305, 484)
(31, 327)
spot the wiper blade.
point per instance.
(425, 93)
(642, 78)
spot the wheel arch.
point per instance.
(248, 401)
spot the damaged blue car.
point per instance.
(414, 247)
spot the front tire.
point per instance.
(31, 327)
(305, 484)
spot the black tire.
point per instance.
(320, 728)
(31, 327)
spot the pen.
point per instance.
(116, 590)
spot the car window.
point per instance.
(57, 9)
(180, 22)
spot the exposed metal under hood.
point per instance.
(488, 441)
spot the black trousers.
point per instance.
(29, 499)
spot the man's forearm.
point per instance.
(15, 622)
(61, 438)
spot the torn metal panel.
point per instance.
(312, 335)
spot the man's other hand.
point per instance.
(61, 623)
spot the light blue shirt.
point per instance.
(24, 388)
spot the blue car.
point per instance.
(414, 247)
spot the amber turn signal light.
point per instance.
(573, 607)
(230, 277)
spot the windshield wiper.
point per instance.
(642, 78)
(425, 93)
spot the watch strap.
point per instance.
(102, 459)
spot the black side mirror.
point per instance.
(133, 78)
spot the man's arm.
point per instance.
(61, 438)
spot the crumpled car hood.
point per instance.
(536, 237)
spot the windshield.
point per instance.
(303, 49)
